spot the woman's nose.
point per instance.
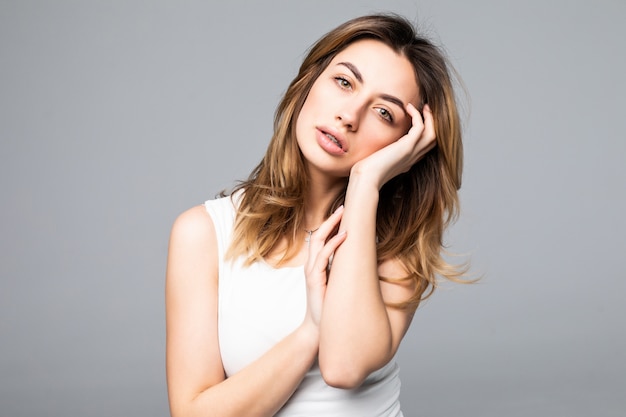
(348, 115)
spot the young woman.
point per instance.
(290, 296)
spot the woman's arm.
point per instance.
(195, 375)
(359, 333)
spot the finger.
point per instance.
(416, 116)
(417, 123)
(429, 126)
(323, 257)
(319, 238)
(426, 134)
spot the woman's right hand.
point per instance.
(321, 248)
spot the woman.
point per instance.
(291, 296)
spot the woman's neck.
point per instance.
(320, 195)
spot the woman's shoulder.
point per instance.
(192, 252)
(206, 224)
(193, 225)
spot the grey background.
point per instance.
(116, 116)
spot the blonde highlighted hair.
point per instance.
(414, 208)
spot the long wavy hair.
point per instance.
(414, 208)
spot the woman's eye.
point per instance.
(385, 114)
(343, 83)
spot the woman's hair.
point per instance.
(414, 208)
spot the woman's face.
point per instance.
(356, 107)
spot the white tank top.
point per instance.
(260, 305)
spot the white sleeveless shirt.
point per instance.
(260, 305)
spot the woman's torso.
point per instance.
(258, 306)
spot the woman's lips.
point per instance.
(331, 141)
(334, 139)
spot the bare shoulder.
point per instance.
(194, 225)
(193, 246)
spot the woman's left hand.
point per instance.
(322, 246)
(401, 155)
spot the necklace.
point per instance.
(307, 238)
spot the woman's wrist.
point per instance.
(309, 335)
(364, 183)
(364, 176)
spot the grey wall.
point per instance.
(116, 116)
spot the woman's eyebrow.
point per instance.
(354, 69)
(393, 99)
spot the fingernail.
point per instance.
(338, 209)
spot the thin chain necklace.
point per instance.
(307, 238)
